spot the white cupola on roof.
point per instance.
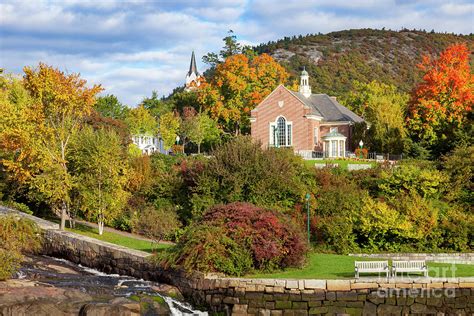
(305, 88)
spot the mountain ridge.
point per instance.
(336, 59)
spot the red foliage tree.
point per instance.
(442, 101)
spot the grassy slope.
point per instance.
(322, 266)
(117, 239)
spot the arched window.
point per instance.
(281, 124)
(281, 132)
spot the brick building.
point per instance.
(304, 121)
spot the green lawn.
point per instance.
(118, 239)
(329, 266)
(342, 163)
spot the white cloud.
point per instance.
(133, 47)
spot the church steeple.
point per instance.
(193, 78)
(192, 66)
(305, 88)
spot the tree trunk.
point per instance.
(63, 217)
(199, 148)
(101, 227)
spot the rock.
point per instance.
(105, 309)
(168, 290)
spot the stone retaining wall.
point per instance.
(333, 297)
(463, 258)
(238, 296)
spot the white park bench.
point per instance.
(371, 267)
(409, 266)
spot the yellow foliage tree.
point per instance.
(54, 106)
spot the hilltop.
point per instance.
(335, 59)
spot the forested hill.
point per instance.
(335, 59)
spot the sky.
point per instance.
(133, 47)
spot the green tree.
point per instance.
(140, 122)
(100, 169)
(110, 106)
(199, 128)
(155, 105)
(383, 107)
(169, 128)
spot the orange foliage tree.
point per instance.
(441, 102)
(238, 85)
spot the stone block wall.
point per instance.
(336, 297)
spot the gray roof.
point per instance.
(192, 66)
(328, 108)
(334, 134)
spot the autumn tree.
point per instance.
(140, 122)
(383, 107)
(443, 100)
(238, 85)
(57, 105)
(100, 173)
(18, 151)
(169, 128)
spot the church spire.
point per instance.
(193, 78)
(192, 66)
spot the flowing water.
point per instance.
(64, 274)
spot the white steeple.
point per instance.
(305, 88)
(193, 76)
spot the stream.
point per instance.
(61, 273)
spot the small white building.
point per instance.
(148, 144)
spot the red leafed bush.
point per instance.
(272, 238)
(236, 239)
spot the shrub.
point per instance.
(457, 231)
(17, 236)
(459, 166)
(429, 183)
(157, 223)
(207, 248)
(239, 237)
(336, 232)
(241, 171)
(19, 207)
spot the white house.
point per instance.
(148, 144)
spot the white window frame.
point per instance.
(316, 135)
(333, 129)
(288, 138)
